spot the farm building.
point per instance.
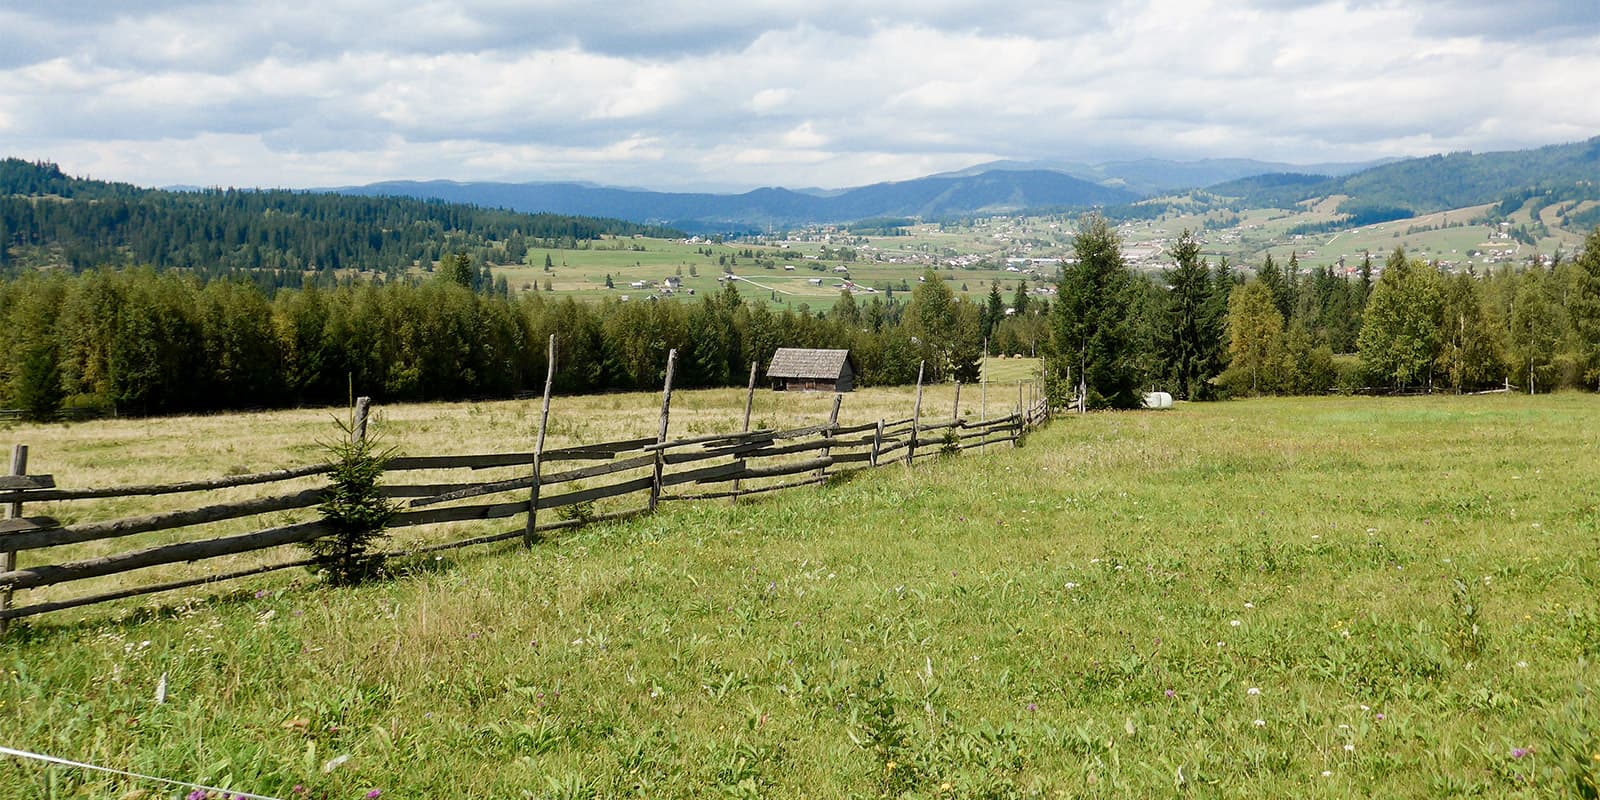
(805, 370)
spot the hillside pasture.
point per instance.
(1339, 597)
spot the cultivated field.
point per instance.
(1275, 598)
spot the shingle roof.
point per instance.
(799, 362)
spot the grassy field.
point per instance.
(1272, 598)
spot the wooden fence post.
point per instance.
(749, 403)
(529, 534)
(983, 395)
(8, 561)
(358, 419)
(827, 435)
(955, 410)
(916, 417)
(661, 433)
(877, 444)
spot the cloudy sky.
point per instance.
(767, 92)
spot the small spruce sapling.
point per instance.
(354, 508)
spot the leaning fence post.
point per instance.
(8, 561)
(827, 435)
(916, 417)
(661, 433)
(877, 444)
(749, 403)
(529, 536)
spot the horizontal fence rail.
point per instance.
(703, 467)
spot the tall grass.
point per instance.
(1273, 598)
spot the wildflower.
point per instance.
(373, 795)
(298, 789)
(944, 787)
(1378, 716)
(1260, 723)
(198, 794)
(1234, 624)
(1327, 773)
(1252, 691)
(1171, 693)
(1349, 748)
(1249, 605)
(1519, 752)
(889, 767)
(1033, 706)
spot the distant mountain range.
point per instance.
(992, 191)
(1391, 188)
(996, 187)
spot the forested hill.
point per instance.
(995, 191)
(48, 217)
(1436, 183)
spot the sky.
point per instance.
(728, 96)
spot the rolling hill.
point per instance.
(1434, 183)
(50, 218)
(996, 191)
(1154, 176)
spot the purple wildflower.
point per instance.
(198, 794)
(1519, 752)
(373, 795)
(1033, 706)
(1171, 693)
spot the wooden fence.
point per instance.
(590, 482)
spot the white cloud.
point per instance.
(821, 93)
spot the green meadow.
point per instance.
(1329, 597)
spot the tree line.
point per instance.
(147, 341)
(1204, 332)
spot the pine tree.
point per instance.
(993, 312)
(1091, 333)
(1189, 333)
(1019, 300)
(457, 269)
(1273, 279)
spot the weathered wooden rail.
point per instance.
(653, 469)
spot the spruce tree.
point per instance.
(994, 311)
(1091, 333)
(457, 269)
(1273, 279)
(1189, 334)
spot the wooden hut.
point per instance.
(805, 370)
